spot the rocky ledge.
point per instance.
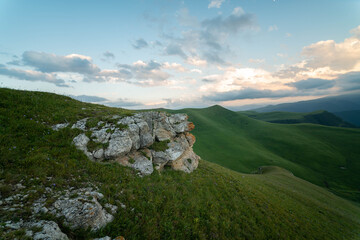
(144, 141)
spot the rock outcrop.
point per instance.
(144, 141)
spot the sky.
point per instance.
(140, 54)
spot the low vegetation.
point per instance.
(326, 156)
(160, 146)
(211, 203)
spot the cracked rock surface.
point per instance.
(129, 141)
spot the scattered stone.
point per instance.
(112, 208)
(81, 124)
(50, 231)
(81, 211)
(59, 126)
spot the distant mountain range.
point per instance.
(345, 106)
(318, 117)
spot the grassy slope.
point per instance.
(313, 152)
(317, 117)
(211, 203)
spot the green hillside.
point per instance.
(317, 117)
(326, 156)
(211, 203)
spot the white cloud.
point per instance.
(196, 61)
(273, 28)
(238, 11)
(215, 3)
(195, 70)
(48, 62)
(337, 56)
(31, 75)
(174, 66)
(251, 60)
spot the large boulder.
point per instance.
(120, 143)
(83, 211)
(124, 140)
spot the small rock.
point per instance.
(50, 231)
(59, 126)
(81, 124)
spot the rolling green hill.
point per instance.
(326, 156)
(213, 202)
(318, 117)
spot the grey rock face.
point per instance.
(81, 141)
(99, 154)
(81, 212)
(146, 138)
(143, 165)
(119, 144)
(59, 126)
(101, 135)
(50, 231)
(81, 124)
(136, 134)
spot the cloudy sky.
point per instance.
(175, 54)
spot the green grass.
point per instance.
(160, 146)
(317, 117)
(315, 153)
(211, 203)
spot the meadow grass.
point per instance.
(211, 203)
(326, 156)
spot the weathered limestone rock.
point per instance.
(81, 141)
(101, 135)
(134, 132)
(187, 162)
(81, 124)
(50, 231)
(120, 143)
(146, 138)
(59, 126)
(99, 154)
(82, 212)
(125, 141)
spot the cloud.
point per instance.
(356, 32)
(47, 62)
(207, 80)
(230, 24)
(251, 60)
(108, 56)
(123, 102)
(175, 49)
(215, 3)
(349, 81)
(238, 11)
(195, 70)
(337, 56)
(146, 74)
(196, 61)
(140, 43)
(31, 75)
(312, 83)
(273, 28)
(213, 57)
(185, 19)
(248, 93)
(207, 41)
(174, 66)
(88, 98)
